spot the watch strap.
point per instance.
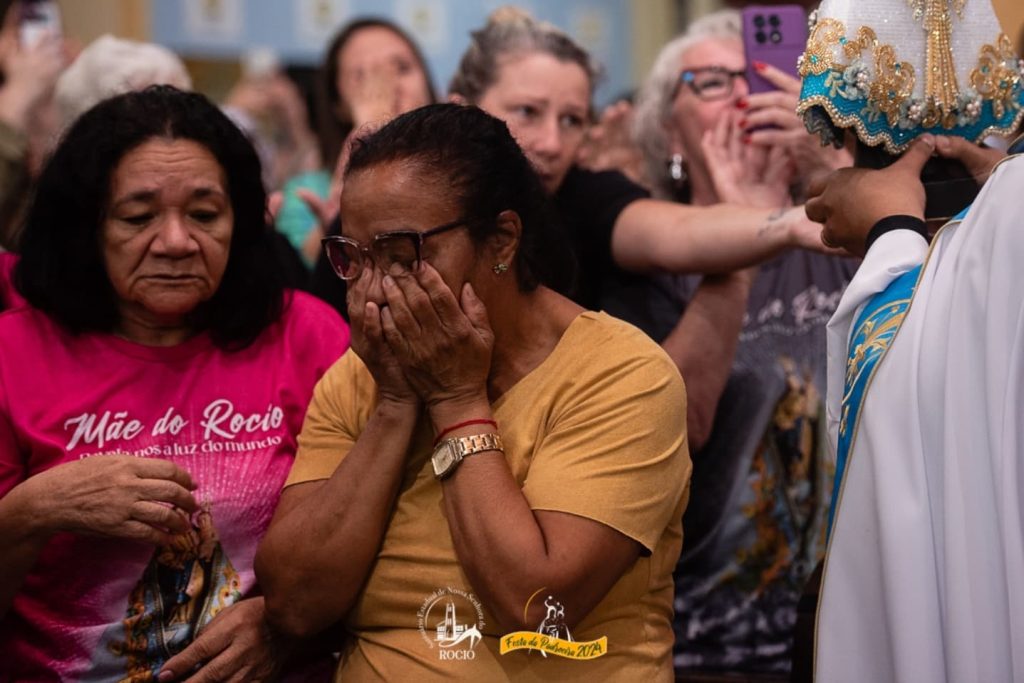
(477, 443)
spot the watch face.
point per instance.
(443, 460)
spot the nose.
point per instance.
(174, 239)
(548, 142)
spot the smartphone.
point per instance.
(776, 35)
(38, 18)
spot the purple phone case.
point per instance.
(773, 34)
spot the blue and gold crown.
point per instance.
(894, 69)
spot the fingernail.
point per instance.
(741, 103)
(743, 123)
(165, 675)
(746, 139)
(389, 281)
(760, 66)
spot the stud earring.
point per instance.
(500, 268)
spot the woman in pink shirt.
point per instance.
(150, 396)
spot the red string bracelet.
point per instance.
(460, 425)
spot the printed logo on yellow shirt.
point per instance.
(452, 621)
(552, 636)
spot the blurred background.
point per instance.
(217, 38)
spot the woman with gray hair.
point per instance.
(540, 82)
(762, 475)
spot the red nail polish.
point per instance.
(746, 139)
(760, 66)
(741, 103)
(743, 123)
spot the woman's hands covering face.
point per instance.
(369, 344)
(443, 344)
(424, 345)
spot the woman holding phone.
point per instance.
(762, 473)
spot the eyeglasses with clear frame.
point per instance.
(710, 82)
(402, 247)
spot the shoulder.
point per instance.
(308, 332)
(1009, 171)
(601, 346)
(580, 182)
(306, 312)
(23, 324)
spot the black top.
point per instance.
(588, 203)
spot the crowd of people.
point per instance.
(485, 385)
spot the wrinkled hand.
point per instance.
(366, 327)
(850, 201)
(237, 646)
(743, 173)
(771, 120)
(139, 499)
(443, 344)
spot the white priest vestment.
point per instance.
(924, 573)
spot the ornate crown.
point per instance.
(894, 69)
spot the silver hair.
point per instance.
(512, 31)
(654, 104)
(111, 66)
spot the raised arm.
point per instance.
(654, 235)
(703, 345)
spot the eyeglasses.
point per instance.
(710, 82)
(402, 247)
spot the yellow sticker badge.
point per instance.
(552, 636)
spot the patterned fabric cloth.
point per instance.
(755, 526)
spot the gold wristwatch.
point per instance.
(450, 452)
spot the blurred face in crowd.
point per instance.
(167, 230)
(693, 113)
(546, 104)
(376, 58)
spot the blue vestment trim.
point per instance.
(847, 107)
(873, 332)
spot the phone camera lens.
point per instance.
(774, 20)
(760, 37)
(776, 37)
(759, 21)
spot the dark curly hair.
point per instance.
(61, 270)
(475, 156)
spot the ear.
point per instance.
(504, 243)
(456, 98)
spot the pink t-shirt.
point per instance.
(108, 609)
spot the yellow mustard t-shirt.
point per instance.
(598, 430)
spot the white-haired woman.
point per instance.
(761, 478)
